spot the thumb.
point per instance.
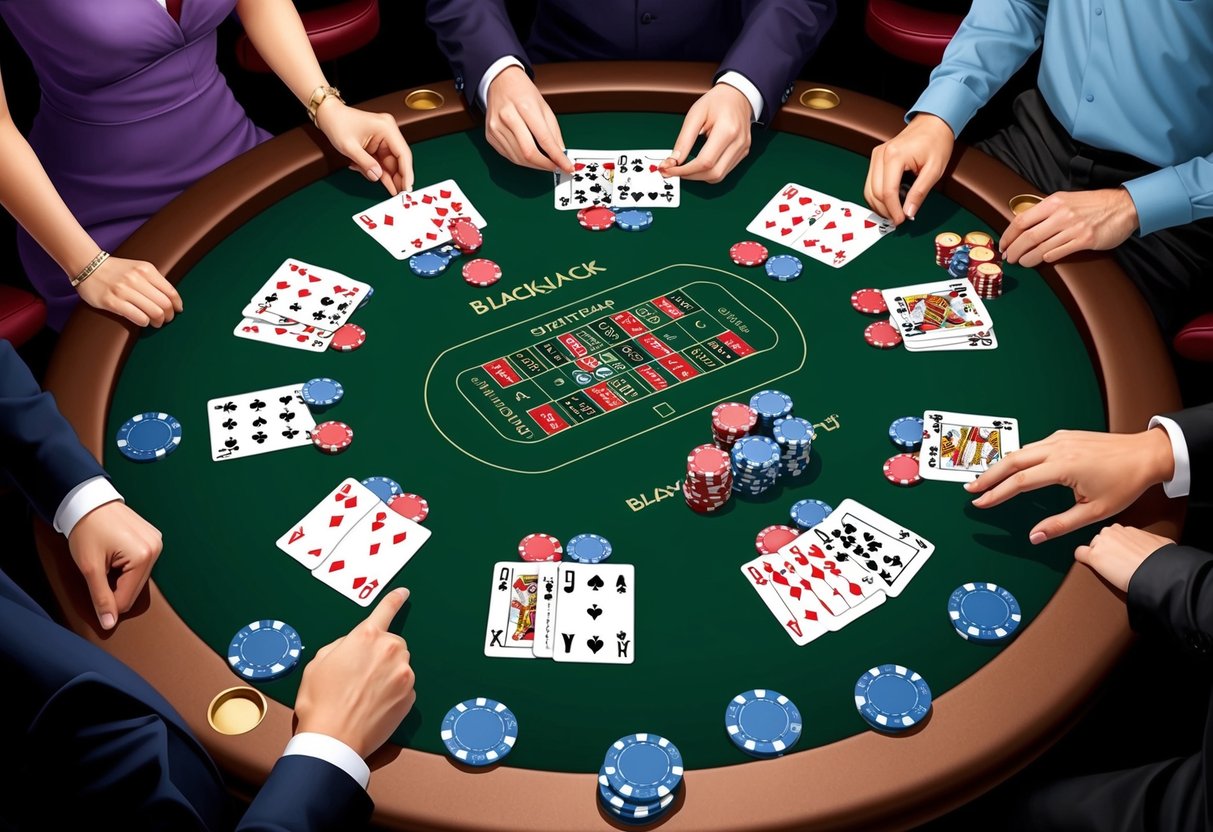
(692, 125)
(381, 617)
(96, 577)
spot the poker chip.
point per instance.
(479, 732)
(979, 256)
(448, 252)
(707, 463)
(892, 698)
(794, 436)
(906, 432)
(987, 280)
(465, 235)
(321, 393)
(348, 338)
(385, 488)
(597, 218)
(427, 264)
(748, 253)
(979, 238)
(411, 506)
(634, 219)
(730, 422)
(882, 335)
(902, 469)
(539, 547)
(629, 810)
(784, 267)
(146, 437)
(763, 723)
(773, 538)
(264, 650)
(808, 513)
(869, 302)
(958, 264)
(643, 767)
(984, 612)
(709, 481)
(756, 464)
(946, 244)
(588, 548)
(771, 405)
(332, 437)
(481, 272)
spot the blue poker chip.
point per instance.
(428, 264)
(984, 612)
(448, 252)
(643, 767)
(793, 430)
(588, 548)
(892, 698)
(628, 809)
(784, 267)
(633, 219)
(383, 487)
(149, 436)
(906, 432)
(771, 404)
(370, 291)
(321, 393)
(763, 723)
(808, 513)
(264, 650)
(479, 732)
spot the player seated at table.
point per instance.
(1168, 587)
(90, 744)
(760, 45)
(134, 110)
(1118, 133)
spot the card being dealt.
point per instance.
(309, 295)
(416, 221)
(259, 422)
(959, 447)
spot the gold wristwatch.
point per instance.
(318, 96)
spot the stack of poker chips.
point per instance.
(640, 777)
(979, 255)
(958, 266)
(945, 246)
(763, 723)
(730, 422)
(756, 465)
(770, 405)
(795, 439)
(980, 238)
(987, 280)
(709, 480)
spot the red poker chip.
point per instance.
(704, 506)
(869, 302)
(882, 334)
(597, 218)
(707, 461)
(348, 338)
(773, 538)
(332, 437)
(734, 418)
(412, 506)
(481, 272)
(748, 253)
(902, 470)
(465, 235)
(539, 548)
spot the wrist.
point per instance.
(325, 110)
(1158, 455)
(1127, 208)
(930, 121)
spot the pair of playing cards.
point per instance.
(837, 571)
(353, 543)
(570, 612)
(616, 178)
(941, 315)
(300, 306)
(959, 447)
(820, 226)
(416, 221)
(259, 422)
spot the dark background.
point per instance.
(1124, 726)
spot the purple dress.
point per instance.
(134, 110)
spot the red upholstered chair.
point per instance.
(1195, 341)
(914, 35)
(22, 315)
(335, 31)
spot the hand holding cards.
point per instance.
(960, 447)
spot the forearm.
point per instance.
(277, 33)
(1171, 595)
(1174, 196)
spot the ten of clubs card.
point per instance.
(959, 447)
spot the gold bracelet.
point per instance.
(101, 257)
(318, 96)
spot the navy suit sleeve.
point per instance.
(473, 34)
(776, 40)
(42, 454)
(1197, 425)
(305, 793)
(1171, 596)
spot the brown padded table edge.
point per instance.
(1022, 701)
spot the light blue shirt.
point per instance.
(1133, 76)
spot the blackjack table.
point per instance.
(451, 397)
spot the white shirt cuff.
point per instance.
(324, 747)
(495, 68)
(82, 499)
(746, 87)
(1181, 482)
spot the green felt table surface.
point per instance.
(702, 635)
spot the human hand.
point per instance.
(519, 123)
(360, 687)
(1106, 472)
(132, 289)
(922, 148)
(1068, 222)
(113, 538)
(1117, 551)
(724, 115)
(372, 141)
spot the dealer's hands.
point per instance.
(1068, 222)
(113, 540)
(922, 148)
(359, 688)
(372, 141)
(519, 123)
(132, 289)
(724, 115)
(1106, 472)
(1117, 551)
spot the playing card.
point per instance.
(639, 183)
(315, 537)
(369, 556)
(546, 597)
(854, 536)
(984, 339)
(294, 335)
(595, 616)
(310, 295)
(847, 232)
(803, 627)
(258, 422)
(789, 214)
(510, 632)
(959, 447)
(413, 222)
(939, 310)
(592, 181)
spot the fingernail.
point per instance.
(1037, 538)
(107, 621)
(911, 210)
(374, 173)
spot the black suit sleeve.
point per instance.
(1171, 595)
(305, 793)
(41, 453)
(473, 34)
(1197, 425)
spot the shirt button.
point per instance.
(1098, 12)
(1090, 97)
(647, 18)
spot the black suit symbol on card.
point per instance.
(621, 585)
(594, 643)
(595, 583)
(593, 611)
